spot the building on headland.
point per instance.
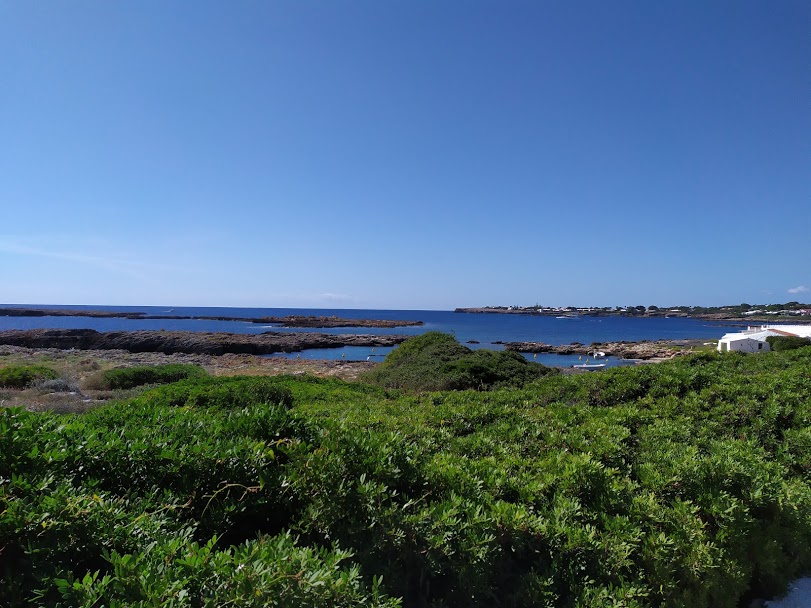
(753, 340)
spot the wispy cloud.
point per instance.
(67, 256)
(112, 261)
(798, 289)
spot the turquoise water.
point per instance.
(486, 329)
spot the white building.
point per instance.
(753, 340)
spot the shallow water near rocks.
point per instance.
(473, 330)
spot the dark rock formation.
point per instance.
(321, 322)
(48, 312)
(661, 349)
(288, 321)
(170, 342)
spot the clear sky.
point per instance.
(405, 154)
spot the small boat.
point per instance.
(589, 366)
(598, 354)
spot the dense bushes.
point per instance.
(269, 571)
(681, 484)
(21, 376)
(223, 392)
(787, 342)
(130, 377)
(436, 361)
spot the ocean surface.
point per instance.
(467, 327)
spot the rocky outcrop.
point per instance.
(660, 349)
(288, 321)
(170, 342)
(323, 322)
(53, 312)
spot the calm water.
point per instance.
(483, 328)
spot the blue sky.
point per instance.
(404, 154)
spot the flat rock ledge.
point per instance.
(204, 343)
(324, 322)
(659, 349)
(305, 321)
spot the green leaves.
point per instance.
(21, 376)
(131, 377)
(227, 393)
(435, 361)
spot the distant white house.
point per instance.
(753, 340)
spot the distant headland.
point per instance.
(798, 311)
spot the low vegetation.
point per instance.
(130, 377)
(435, 361)
(679, 484)
(23, 376)
(787, 342)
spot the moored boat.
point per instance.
(589, 366)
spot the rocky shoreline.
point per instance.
(645, 350)
(77, 364)
(79, 368)
(333, 321)
(268, 343)
(304, 321)
(171, 342)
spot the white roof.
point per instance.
(803, 331)
(741, 336)
(750, 335)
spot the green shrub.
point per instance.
(489, 369)
(787, 342)
(130, 377)
(21, 376)
(232, 392)
(435, 361)
(269, 571)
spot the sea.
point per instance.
(475, 330)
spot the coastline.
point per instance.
(80, 367)
(81, 362)
(269, 343)
(646, 350)
(290, 321)
(188, 342)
